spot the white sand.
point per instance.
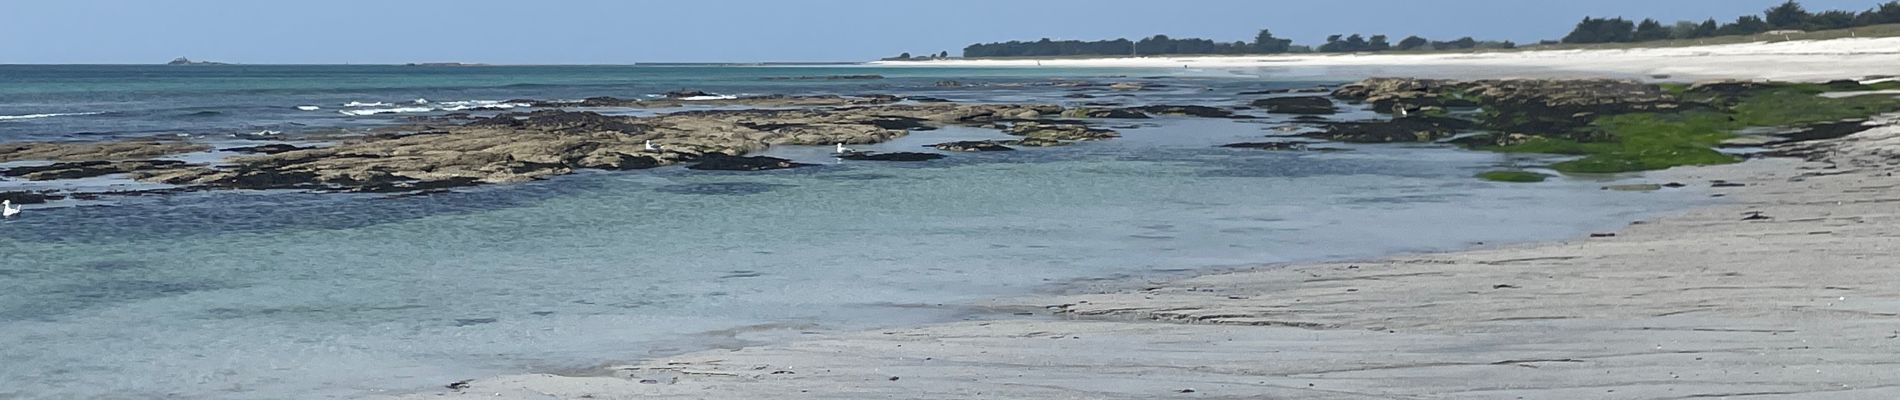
(1790, 60)
(1705, 304)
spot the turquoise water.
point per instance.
(244, 295)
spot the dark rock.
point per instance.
(905, 123)
(949, 84)
(1038, 142)
(972, 145)
(680, 94)
(25, 197)
(1410, 129)
(899, 156)
(1309, 105)
(87, 169)
(825, 78)
(414, 186)
(1845, 84)
(1079, 96)
(1118, 113)
(458, 385)
(922, 99)
(1281, 146)
(267, 179)
(721, 162)
(1315, 89)
(563, 121)
(265, 149)
(1059, 130)
(1190, 111)
(1822, 131)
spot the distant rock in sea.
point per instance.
(443, 64)
(187, 61)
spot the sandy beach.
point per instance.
(1789, 60)
(1782, 290)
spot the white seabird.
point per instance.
(844, 150)
(651, 147)
(7, 210)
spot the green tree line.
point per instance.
(1789, 15)
(1786, 16)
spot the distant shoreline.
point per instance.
(1795, 60)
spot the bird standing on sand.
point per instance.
(844, 150)
(651, 147)
(7, 210)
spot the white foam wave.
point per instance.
(421, 101)
(710, 97)
(396, 110)
(38, 116)
(480, 105)
(362, 104)
(309, 108)
(465, 105)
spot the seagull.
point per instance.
(7, 209)
(651, 147)
(844, 150)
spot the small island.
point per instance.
(187, 61)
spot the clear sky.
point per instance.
(628, 31)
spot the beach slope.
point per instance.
(1787, 290)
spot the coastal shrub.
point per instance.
(1512, 176)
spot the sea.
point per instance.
(296, 295)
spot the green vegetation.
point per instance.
(1788, 16)
(1802, 104)
(1786, 21)
(1512, 176)
(1651, 141)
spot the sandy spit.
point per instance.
(1799, 60)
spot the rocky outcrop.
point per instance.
(1051, 130)
(1037, 142)
(973, 145)
(740, 163)
(265, 149)
(96, 151)
(515, 147)
(1120, 113)
(898, 156)
(685, 98)
(1279, 146)
(1306, 105)
(87, 169)
(1536, 96)
(1409, 129)
(1188, 111)
(27, 197)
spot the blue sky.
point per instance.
(619, 32)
